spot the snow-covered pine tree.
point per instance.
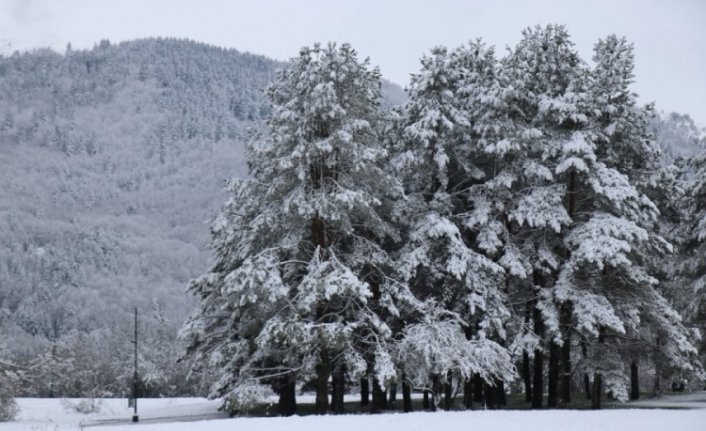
(518, 210)
(666, 188)
(300, 286)
(693, 251)
(606, 277)
(456, 335)
(236, 297)
(674, 188)
(623, 140)
(498, 151)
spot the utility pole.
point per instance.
(135, 418)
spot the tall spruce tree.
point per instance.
(666, 188)
(543, 76)
(693, 250)
(465, 306)
(300, 288)
(607, 277)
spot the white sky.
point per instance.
(669, 35)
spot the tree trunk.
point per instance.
(565, 382)
(468, 394)
(364, 391)
(392, 402)
(319, 235)
(586, 379)
(567, 312)
(322, 375)
(597, 377)
(448, 393)
(567, 308)
(436, 389)
(597, 391)
(339, 389)
(491, 396)
(587, 386)
(287, 405)
(553, 375)
(494, 394)
(406, 396)
(323, 370)
(477, 388)
(572, 193)
(526, 370)
(527, 375)
(448, 396)
(425, 400)
(634, 381)
(379, 398)
(335, 390)
(656, 385)
(502, 399)
(538, 384)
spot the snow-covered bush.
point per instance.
(245, 396)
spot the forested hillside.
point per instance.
(113, 162)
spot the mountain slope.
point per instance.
(112, 163)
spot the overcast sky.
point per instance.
(669, 36)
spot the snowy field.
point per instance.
(192, 414)
(54, 414)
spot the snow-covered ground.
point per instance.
(52, 414)
(191, 414)
(618, 420)
(693, 400)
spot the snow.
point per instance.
(52, 414)
(693, 400)
(624, 420)
(55, 414)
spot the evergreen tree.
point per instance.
(300, 287)
(543, 76)
(607, 277)
(465, 305)
(693, 250)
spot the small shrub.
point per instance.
(244, 397)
